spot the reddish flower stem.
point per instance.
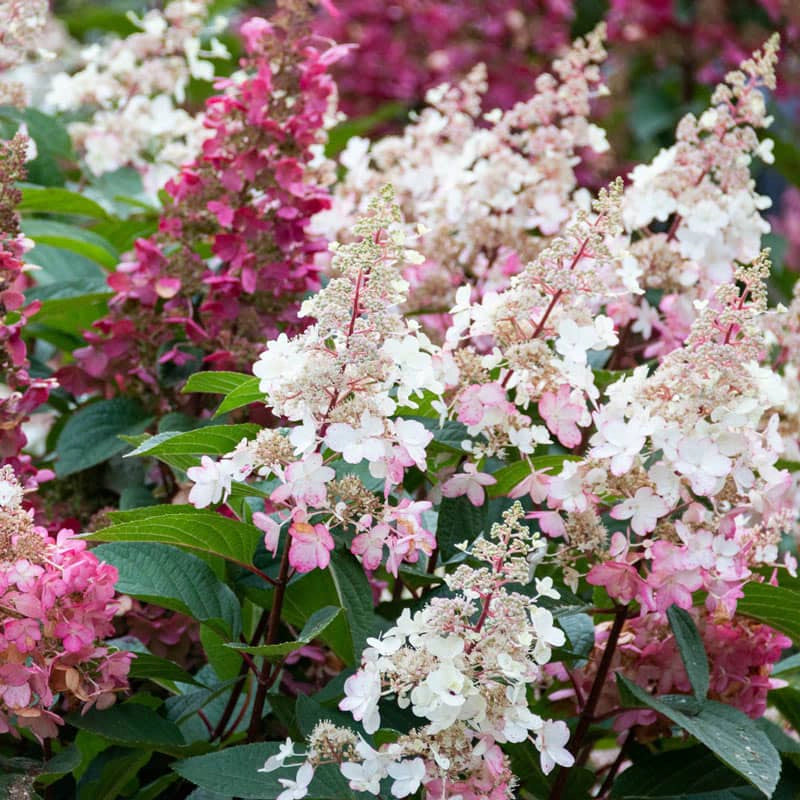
(254, 731)
(587, 713)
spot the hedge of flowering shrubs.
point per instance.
(448, 449)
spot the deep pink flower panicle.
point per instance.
(247, 199)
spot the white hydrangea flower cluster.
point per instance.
(339, 384)
(702, 190)
(345, 375)
(22, 23)
(463, 665)
(556, 297)
(135, 87)
(480, 189)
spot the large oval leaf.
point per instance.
(174, 579)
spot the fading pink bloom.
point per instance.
(562, 413)
(470, 483)
(305, 482)
(369, 545)
(271, 528)
(310, 546)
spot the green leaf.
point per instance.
(73, 314)
(62, 763)
(731, 735)
(690, 772)
(356, 598)
(787, 666)
(54, 200)
(174, 579)
(787, 701)
(156, 788)
(53, 143)
(304, 595)
(60, 268)
(777, 606)
(91, 434)
(110, 772)
(216, 382)
(123, 233)
(316, 624)
(71, 237)
(241, 396)
(448, 436)
(133, 725)
(146, 666)
(309, 712)
(182, 707)
(691, 649)
(136, 497)
(161, 510)
(209, 440)
(459, 521)
(88, 286)
(240, 389)
(192, 529)
(226, 662)
(579, 629)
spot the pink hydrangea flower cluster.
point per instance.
(233, 255)
(165, 633)
(741, 654)
(57, 604)
(22, 392)
(434, 41)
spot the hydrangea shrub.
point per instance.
(454, 459)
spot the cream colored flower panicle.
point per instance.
(489, 195)
(342, 368)
(462, 665)
(702, 187)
